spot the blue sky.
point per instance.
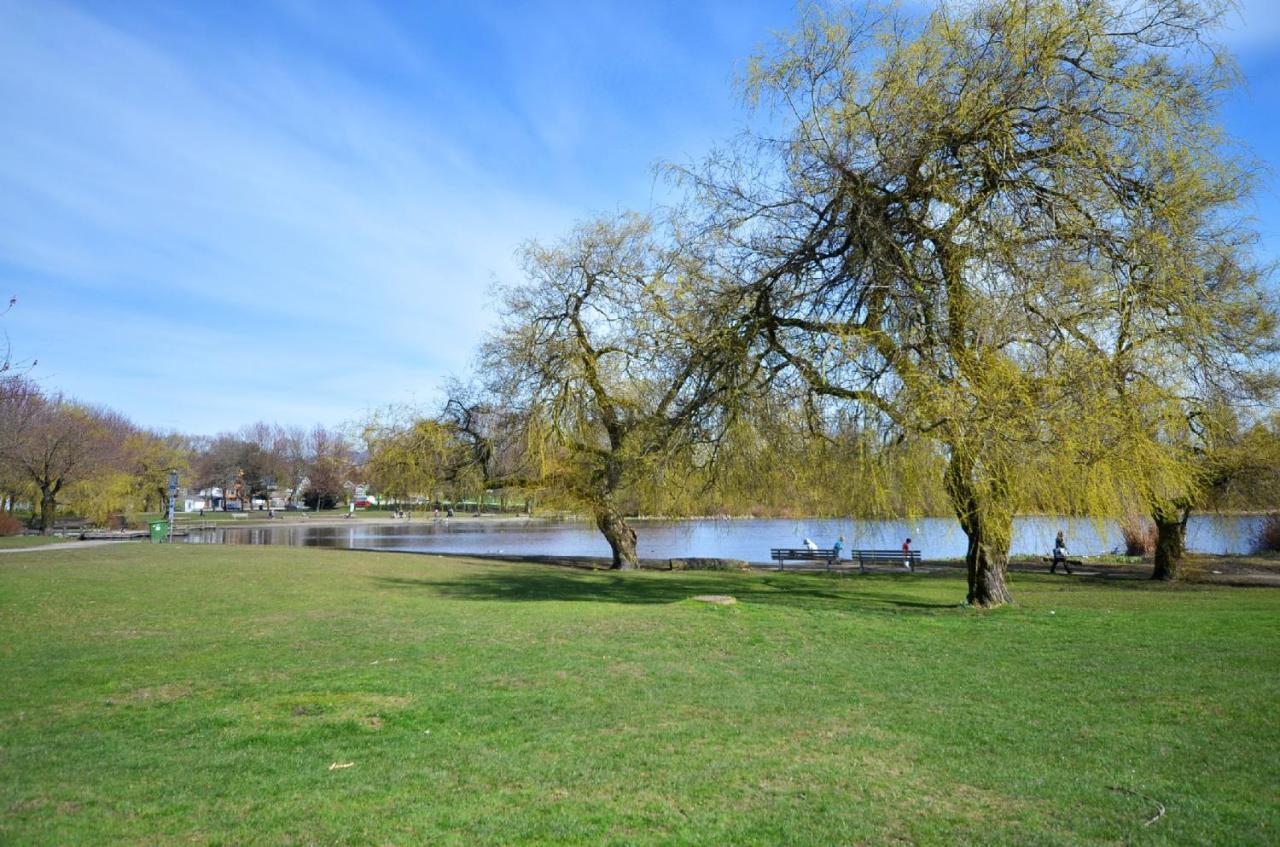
(213, 213)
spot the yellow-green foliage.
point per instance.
(1009, 230)
(104, 496)
(614, 365)
(409, 455)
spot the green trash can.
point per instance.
(159, 531)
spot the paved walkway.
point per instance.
(69, 545)
(1237, 576)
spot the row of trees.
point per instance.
(1002, 246)
(58, 453)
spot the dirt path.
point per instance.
(1238, 571)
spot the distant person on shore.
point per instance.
(837, 547)
(1060, 553)
(906, 554)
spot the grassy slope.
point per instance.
(200, 694)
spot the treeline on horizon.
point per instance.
(86, 460)
(63, 457)
(988, 259)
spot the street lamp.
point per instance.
(173, 496)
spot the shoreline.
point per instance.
(360, 520)
(1241, 571)
(1230, 570)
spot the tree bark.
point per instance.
(987, 560)
(48, 508)
(989, 529)
(621, 537)
(1171, 533)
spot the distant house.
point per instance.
(206, 498)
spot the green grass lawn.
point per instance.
(202, 694)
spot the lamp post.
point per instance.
(173, 496)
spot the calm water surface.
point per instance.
(748, 539)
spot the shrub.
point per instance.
(1139, 536)
(708, 564)
(1267, 537)
(9, 525)
(319, 499)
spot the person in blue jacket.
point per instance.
(1060, 554)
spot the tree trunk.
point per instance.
(987, 559)
(621, 538)
(1171, 531)
(48, 507)
(989, 529)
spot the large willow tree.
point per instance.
(614, 363)
(937, 203)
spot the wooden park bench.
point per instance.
(70, 523)
(896, 558)
(782, 555)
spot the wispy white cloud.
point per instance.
(213, 213)
(312, 211)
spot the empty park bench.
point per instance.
(896, 558)
(782, 555)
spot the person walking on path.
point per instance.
(837, 547)
(906, 554)
(1060, 553)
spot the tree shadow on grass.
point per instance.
(565, 585)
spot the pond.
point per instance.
(748, 539)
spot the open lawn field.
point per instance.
(274, 696)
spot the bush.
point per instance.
(1267, 537)
(9, 525)
(708, 564)
(319, 499)
(1139, 536)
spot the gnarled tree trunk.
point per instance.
(621, 537)
(48, 508)
(989, 528)
(987, 559)
(1171, 533)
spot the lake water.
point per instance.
(748, 539)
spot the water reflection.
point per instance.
(748, 539)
